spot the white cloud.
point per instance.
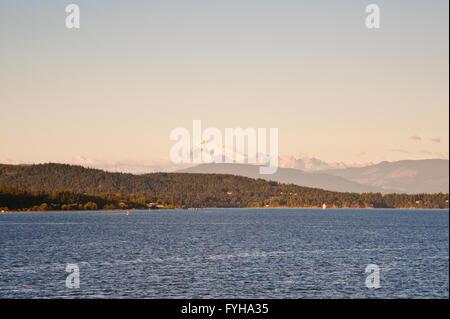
(128, 165)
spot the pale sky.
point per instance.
(115, 88)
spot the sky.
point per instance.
(113, 90)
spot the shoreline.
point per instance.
(204, 208)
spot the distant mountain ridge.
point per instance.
(285, 175)
(408, 176)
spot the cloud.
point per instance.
(436, 139)
(309, 164)
(441, 155)
(416, 138)
(361, 154)
(397, 150)
(128, 165)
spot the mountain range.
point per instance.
(407, 176)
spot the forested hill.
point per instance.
(48, 181)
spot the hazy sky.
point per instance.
(115, 88)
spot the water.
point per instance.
(226, 253)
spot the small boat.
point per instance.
(128, 213)
(324, 206)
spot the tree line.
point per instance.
(67, 187)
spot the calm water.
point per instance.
(226, 253)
